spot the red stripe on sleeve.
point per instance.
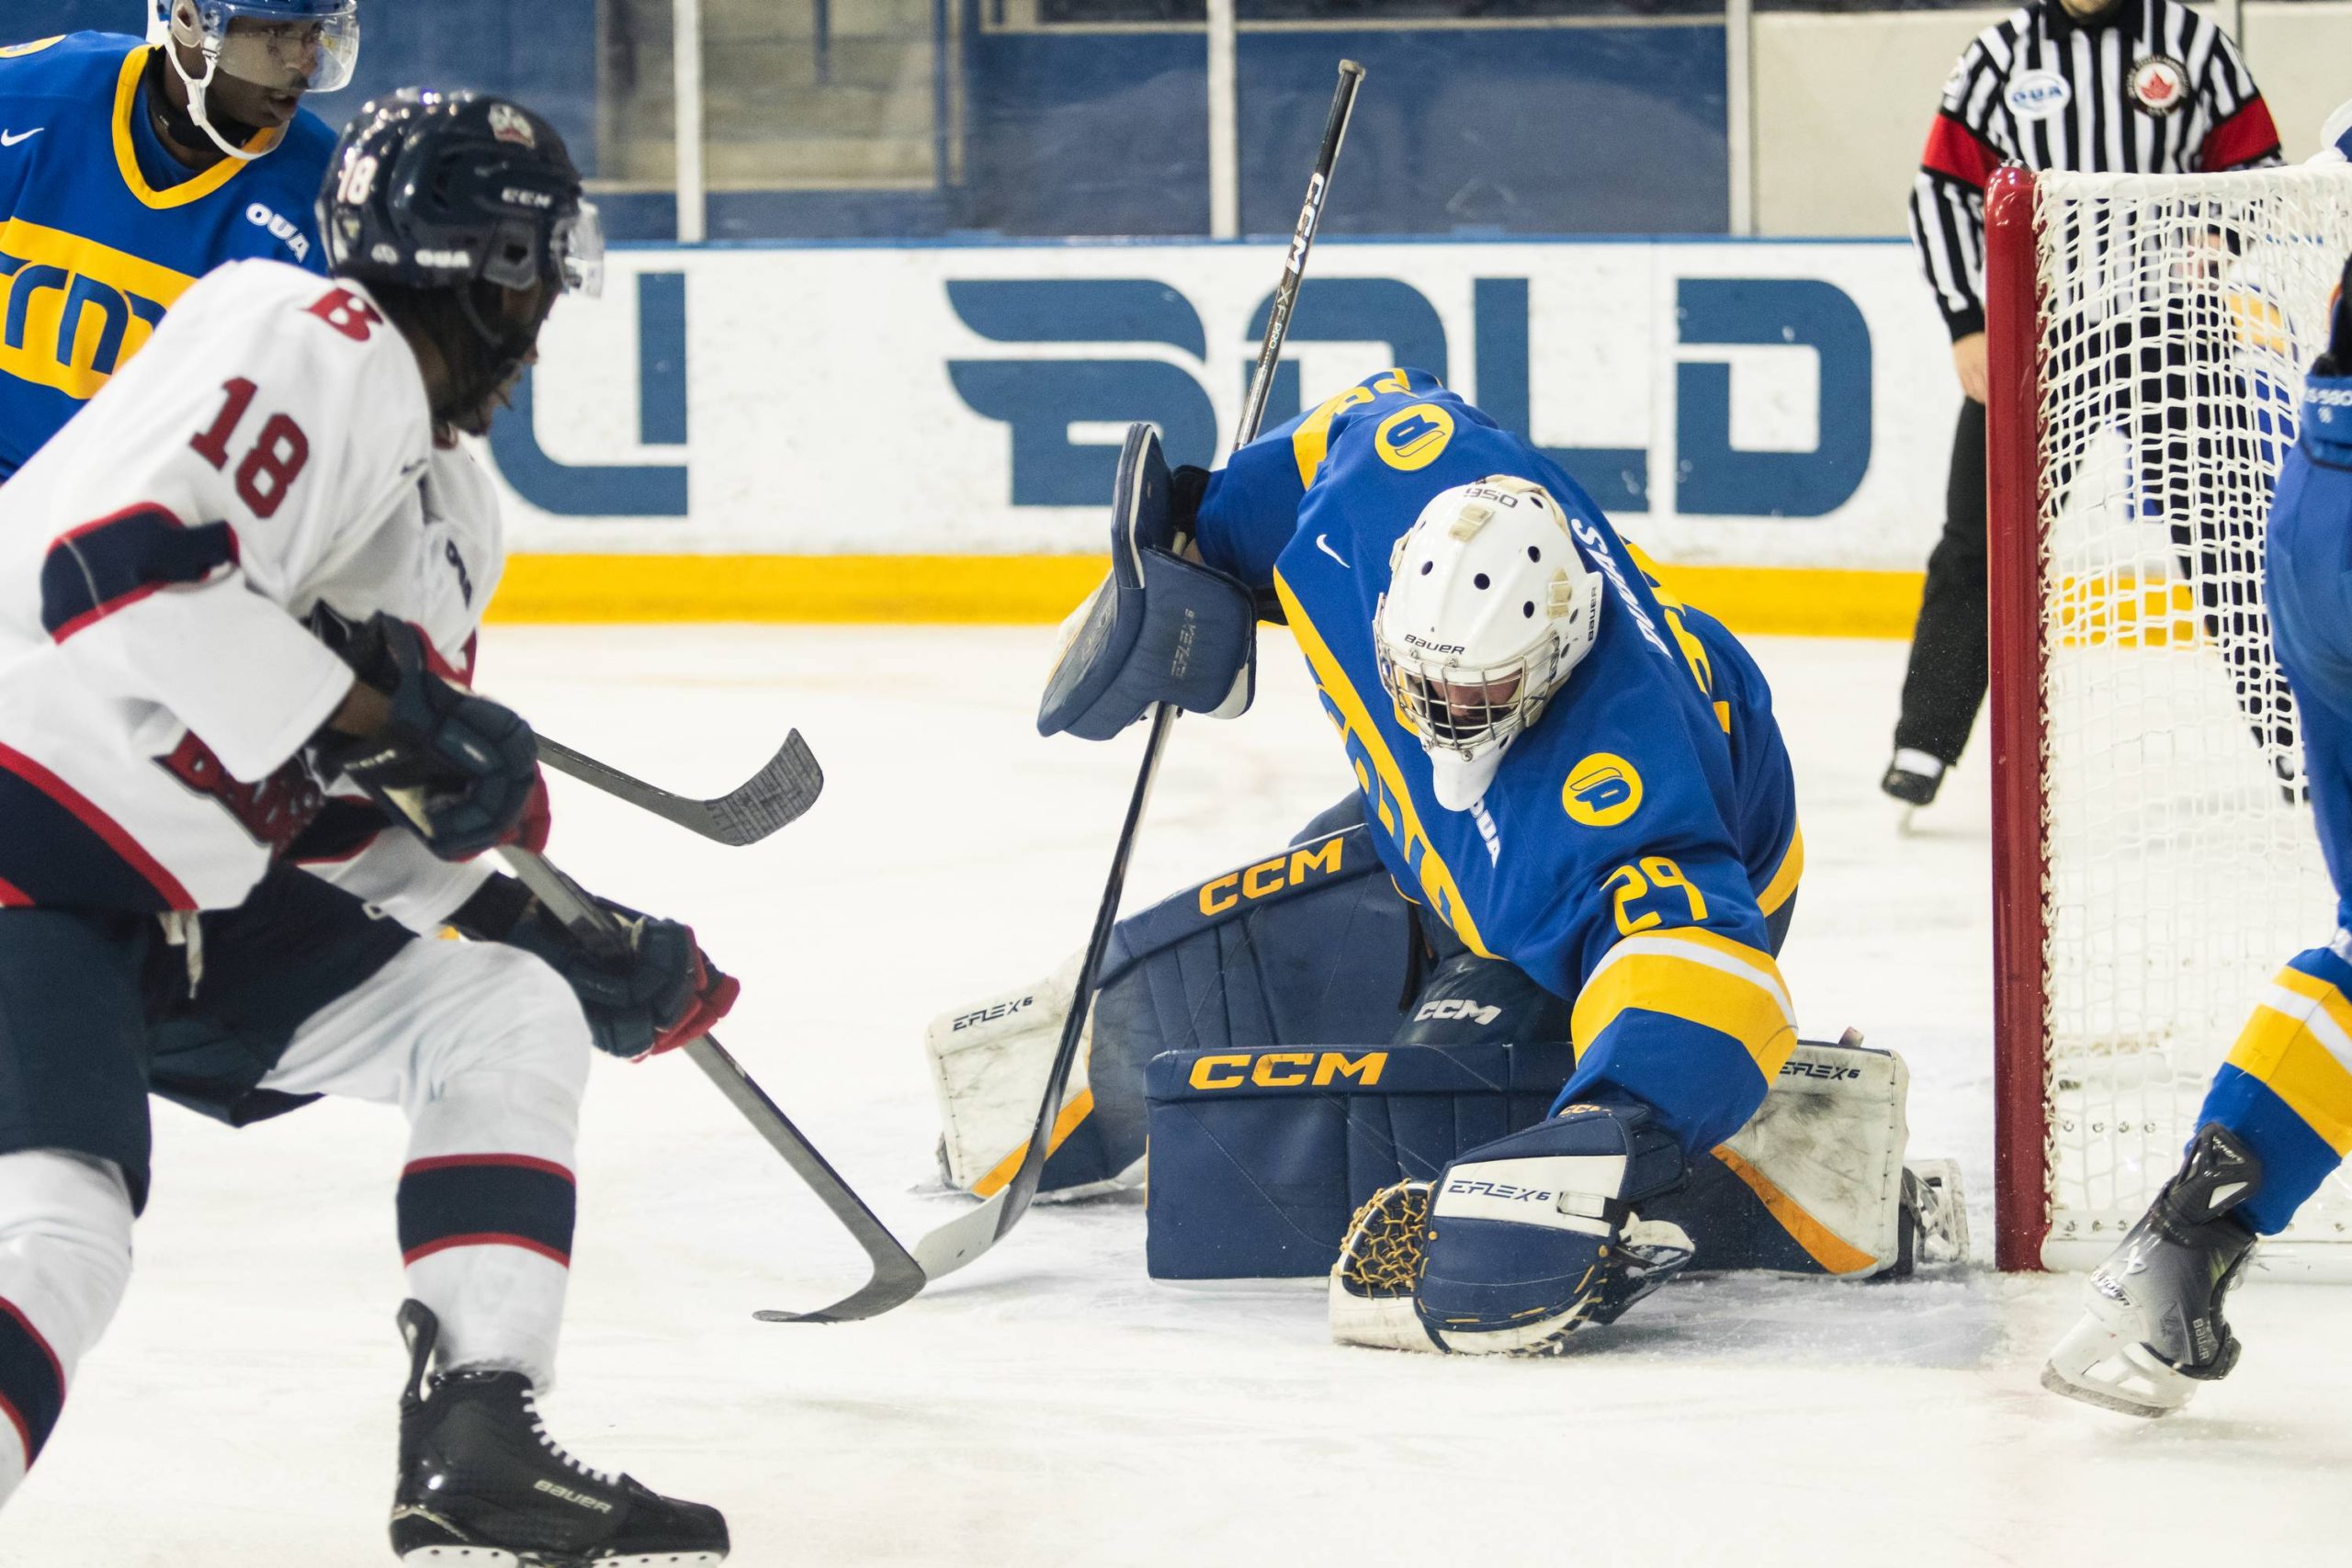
(2243, 137)
(1955, 150)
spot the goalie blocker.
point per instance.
(1219, 1034)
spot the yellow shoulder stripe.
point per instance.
(1699, 975)
(1311, 442)
(2297, 1045)
(16, 50)
(126, 157)
(1778, 891)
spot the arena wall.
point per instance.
(861, 432)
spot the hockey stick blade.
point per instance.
(896, 1277)
(776, 797)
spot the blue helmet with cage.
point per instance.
(462, 213)
(287, 46)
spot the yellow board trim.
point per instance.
(1039, 589)
(1783, 884)
(1078, 1106)
(126, 156)
(961, 590)
(1821, 1244)
(1687, 988)
(1436, 877)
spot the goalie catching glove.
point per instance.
(664, 994)
(1516, 1243)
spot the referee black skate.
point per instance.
(2084, 86)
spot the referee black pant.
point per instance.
(2220, 554)
(1944, 686)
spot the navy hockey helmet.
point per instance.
(436, 197)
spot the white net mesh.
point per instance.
(2179, 312)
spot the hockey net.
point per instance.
(2153, 863)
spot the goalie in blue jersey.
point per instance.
(1576, 782)
(129, 170)
(2276, 1121)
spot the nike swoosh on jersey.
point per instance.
(1323, 543)
(10, 137)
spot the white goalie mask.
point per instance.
(1489, 608)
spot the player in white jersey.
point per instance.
(237, 600)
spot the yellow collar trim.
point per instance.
(126, 155)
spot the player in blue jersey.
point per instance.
(2278, 1120)
(1576, 776)
(128, 171)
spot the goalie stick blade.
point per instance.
(776, 797)
(942, 1251)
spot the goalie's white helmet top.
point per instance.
(1488, 609)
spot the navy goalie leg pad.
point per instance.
(1309, 944)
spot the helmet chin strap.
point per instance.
(199, 113)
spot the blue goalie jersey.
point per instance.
(101, 230)
(1638, 848)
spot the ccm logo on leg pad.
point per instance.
(1288, 1069)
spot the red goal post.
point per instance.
(2152, 865)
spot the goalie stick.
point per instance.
(966, 1238)
(896, 1277)
(774, 797)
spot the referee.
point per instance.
(2088, 85)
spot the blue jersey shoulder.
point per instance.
(76, 68)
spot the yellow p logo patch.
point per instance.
(1602, 791)
(1412, 438)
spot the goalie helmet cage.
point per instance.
(2151, 869)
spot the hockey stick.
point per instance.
(896, 1276)
(773, 797)
(967, 1235)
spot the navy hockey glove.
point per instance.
(459, 770)
(666, 993)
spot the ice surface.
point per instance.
(1051, 1407)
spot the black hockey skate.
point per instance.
(2154, 1329)
(483, 1484)
(1914, 777)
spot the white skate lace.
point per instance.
(539, 1430)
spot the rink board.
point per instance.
(1740, 406)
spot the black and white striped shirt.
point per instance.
(2149, 86)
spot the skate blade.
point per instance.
(499, 1557)
(2097, 1366)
